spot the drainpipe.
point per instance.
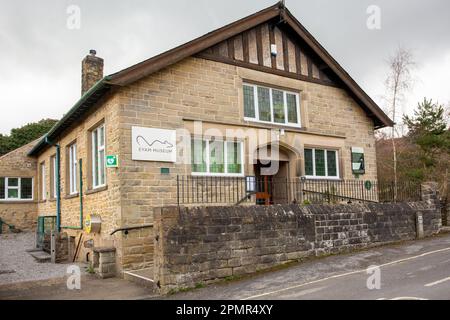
(58, 180)
(80, 192)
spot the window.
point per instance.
(12, 188)
(249, 102)
(271, 105)
(53, 177)
(216, 157)
(26, 188)
(73, 165)
(198, 156)
(43, 182)
(16, 188)
(98, 156)
(321, 163)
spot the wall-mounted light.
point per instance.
(273, 50)
(250, 184)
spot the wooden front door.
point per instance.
(264, 190)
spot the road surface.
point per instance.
(411, 270)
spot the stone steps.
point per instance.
(142, 277)
(41, 256)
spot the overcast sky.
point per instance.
(40, 57)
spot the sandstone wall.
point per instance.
(22, 214)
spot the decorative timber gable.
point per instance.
(252, 49)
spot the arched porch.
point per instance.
(274, 166)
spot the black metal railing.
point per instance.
(404, 191)
(320, 191)
(210, 190)
(268, 190)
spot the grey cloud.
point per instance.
(38, 52)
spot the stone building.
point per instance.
(258, 94)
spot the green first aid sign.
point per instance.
(112, 161)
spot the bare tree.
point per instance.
(398, 82)
(447, 113)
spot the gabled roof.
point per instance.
(156, 63)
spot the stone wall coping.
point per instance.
(104, 249)
(18, 201)
(92, 191)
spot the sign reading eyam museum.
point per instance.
(152, 144)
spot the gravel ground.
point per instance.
(17, 265)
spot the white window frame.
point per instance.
(96, 155)
(225, 152)
(54, 176)
(73, 169)
(18, 188)
(272, 121)
(43, 181)
(326, 177)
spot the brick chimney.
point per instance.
(91, 71)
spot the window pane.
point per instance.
(102, 167)
(2, 188)
(95, 157)
(13, 193)
(71, 184)
(309, 169)
(26, 186)
(43, 183)
(249, 102)
(54, 176)
(198, 156)
(292, 108)
(234, 157)
(331, 163)
(101, 136)
(75, 180)
(73, 169)
(216, 157)
(264, 104)
(320, 162)
(278, 106)
(13, 182)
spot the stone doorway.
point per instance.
(273, 173)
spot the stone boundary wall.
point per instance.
(203, 244)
